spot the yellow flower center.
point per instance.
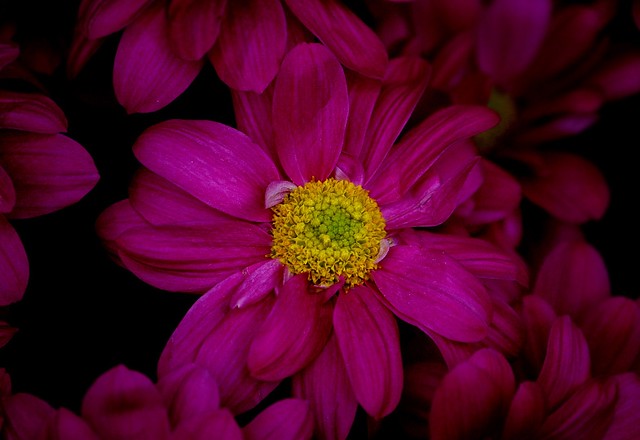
(328, 229)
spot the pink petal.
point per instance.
(123, 403)
(113, 222)
(251, 45)
(363, 94)
(25, 416)
(309, 139)
(67, 425)
(253, 116)
(418, 150)
(369, 341)
(7, 192)
(325, 384)
(538, 317)
(217, 164)
(194, 25)
(49, 172)
(566, 185)
(618, 77)
(287, 419)
(402, 86)
(342, 31)
(506, 333)
(100, 18)
(526, 413)
(567, 364)
(572, 277)
(189, 258)
(612, 330)
(30, 112)
(509, 35)
(293, 334)
(444, 298)
(258, 281)
(162, 203)
(190, 394)
(14, 275)
(625, 424)
(147, 75)
(218, 424)
(487, 383)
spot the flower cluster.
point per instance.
(386, 234)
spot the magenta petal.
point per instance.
(253, 117)
(194, 26)
(510, 34)
(189, 258)
(369, 341)
(487, 383)
(113, 222)
(49, 172)
(538, 317)
(81, 50)
(100, 18)
(8, 53)
(258, 281)
(14, 275)
(445, 297)
(293, 334)
(190, 394)
(572, 277)
(25, 416)
(363, 94)
(67, 425)
(325, 384)
(567, 364)
(147, 75)
(218, 424)
(625, 424)
(7, 192)
(287, 419)
(217, 164)
(526, 413)
(123, 403)
(309, 140)
(251, 44)
(342, 31)
(30, 112)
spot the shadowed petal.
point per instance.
(444, 297)
(14, 275)
(30, 112)
(194, 26)
(309, 140)
(325, 384)
(147, 75)
(538, 317)
(526, 413)
(369, 342)
(49, 172)
(287, 419)
(349, 38)
(7, 192)
(251, 44)
(25, 416)
(217, 164)
(8, 53)
(67, 425)
(625, 424)
(253, 117)
(218, 424)
(100, 18)
(293, 334)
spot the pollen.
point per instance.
(328, 229)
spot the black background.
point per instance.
(82, 314)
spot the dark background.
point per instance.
(82, 314)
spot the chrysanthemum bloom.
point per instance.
(165, 44)
(304, 241)
(41, 171)
(125, 404)
(548, 68)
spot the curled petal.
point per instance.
(287, 419)
(276, 192)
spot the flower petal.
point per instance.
(369, 341)
(252, 112)
(66, 425)
(258, 281)
(625, 419)
(14, 275)
(342, 31)
(487, 383)
(100, 18)
(7, 192)
(25, 416)
(309, 140)
(49, 172)
(287, 419)
(31, 112)
(189, 258)
(218, 424)
(526, 413)
(444, 297)
(123, 403)
(325, 384)
(293, 334)
(9, 52)
(147, 75)
(251, 44)
(538, 317)
(217, 164)
(113, 222)
(194, 25)
(363, 94)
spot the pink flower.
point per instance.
(164, 44)
(125, 404)
(41, 171)
(304, 241)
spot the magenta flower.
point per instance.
(125, 404)
(304, 241)
(41, 171)
(165, 44)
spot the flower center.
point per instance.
(328, 229)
